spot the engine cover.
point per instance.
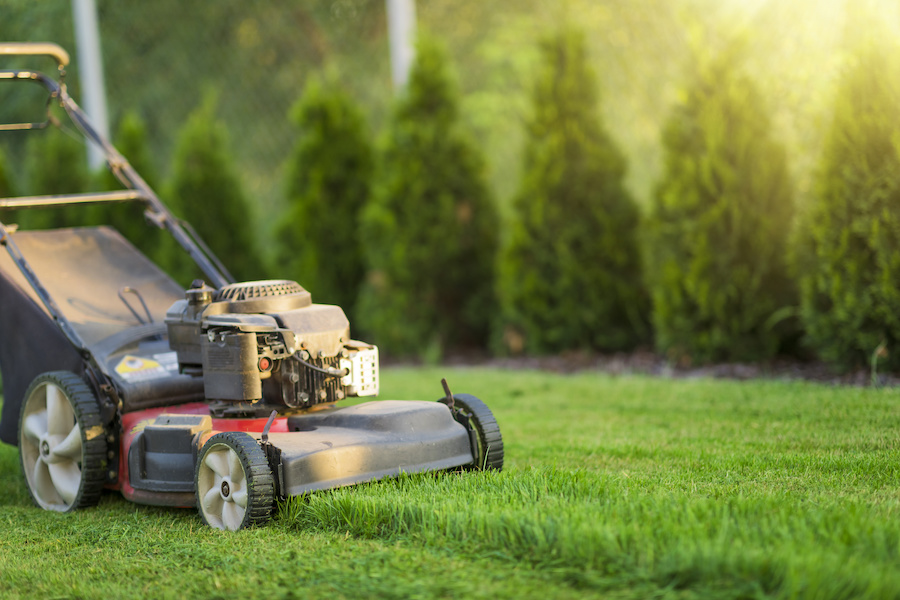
(266, 340)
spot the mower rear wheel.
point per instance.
(62, 442)
(488, 443)
(234, 483)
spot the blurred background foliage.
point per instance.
(718, 228)
(430, 229)
(570, 275)
(163, 58)
(328, 182)
(160, 57)
(848, 244)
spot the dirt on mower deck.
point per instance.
(649, 363)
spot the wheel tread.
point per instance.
(94, 451)
(260, 480)
(487, 429)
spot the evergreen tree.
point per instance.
(55, 163)
(719, 225)
(206, 191)
(328, 182)
(6, 188)
(571, 273)
(850, 260)
(430, 230)
(131, 141)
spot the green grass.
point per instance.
(628, 487)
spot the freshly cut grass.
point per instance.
(628, 487)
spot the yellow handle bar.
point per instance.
(35, 49)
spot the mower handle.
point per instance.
(138, 190)
(35, 49)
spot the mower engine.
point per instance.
(266, 340)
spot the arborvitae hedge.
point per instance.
(206, 191)
(55, 163)
(719, 224)
(850, 265)
(131, 141)
(328, 182)
(570, 276)
(430, 230)
(6, 185)
(6, 188)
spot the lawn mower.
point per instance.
(225, 396)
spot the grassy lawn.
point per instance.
(628, 487)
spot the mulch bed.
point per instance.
(649, 363)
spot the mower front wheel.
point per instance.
(234, 483)
(487, 443)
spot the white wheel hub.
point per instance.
(222, 487)
(51, 448)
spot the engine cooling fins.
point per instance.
(266, 296)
